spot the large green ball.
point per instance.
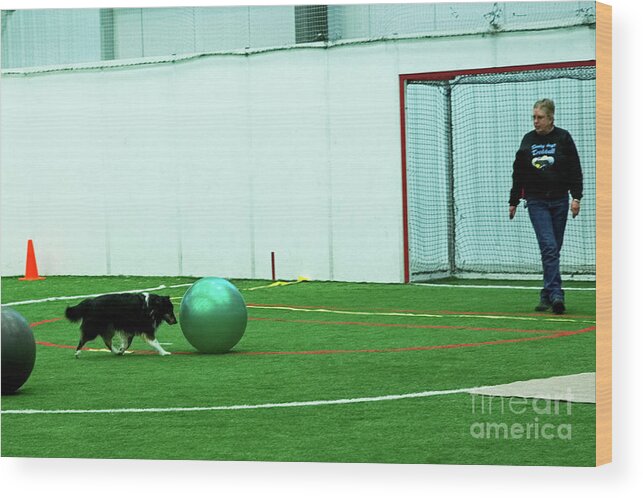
(213, 315)
(18, 350)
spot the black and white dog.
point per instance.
(125, 314)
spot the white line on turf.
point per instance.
(242, 407)
(520, 287)
(69, 298)
(292, 404)
(322, 310)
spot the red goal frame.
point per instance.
(448, 75)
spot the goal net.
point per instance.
(462, 132)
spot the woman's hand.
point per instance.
(512, 212)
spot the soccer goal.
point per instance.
(460, 133)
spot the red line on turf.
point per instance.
(67, 346)
(404, 326)
(563, 333)
(421, 348)
(367, 324)
(54, 345)
(35, 324)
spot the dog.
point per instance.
(126, 314)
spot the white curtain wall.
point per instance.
(205, 167)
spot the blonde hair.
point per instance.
(546, 105)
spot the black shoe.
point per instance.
(558, 307)
(543, 306)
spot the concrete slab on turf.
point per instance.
(579, 388)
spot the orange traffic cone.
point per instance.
(31, 272)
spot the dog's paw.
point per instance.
(165, 353)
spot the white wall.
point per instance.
(204, 167)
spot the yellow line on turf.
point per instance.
(424, 315)
(278, 284)
(274, 284)
(417, 315)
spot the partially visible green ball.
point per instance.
(213, 315)
(18, 350)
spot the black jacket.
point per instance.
(546, 167)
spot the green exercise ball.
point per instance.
(213, 315)
(18, 350)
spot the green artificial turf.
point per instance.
(307, 342)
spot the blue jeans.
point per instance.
(549, 218)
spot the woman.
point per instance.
(545, 172)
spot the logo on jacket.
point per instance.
(542, 162)
(543, 155)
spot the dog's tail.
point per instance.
(76, 313)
